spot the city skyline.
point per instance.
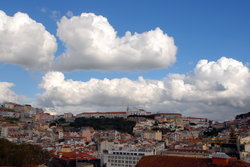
(185, 57)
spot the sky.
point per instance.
(189, 57)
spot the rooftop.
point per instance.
(175, 161)
(104, 113)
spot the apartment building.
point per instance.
(124, 157)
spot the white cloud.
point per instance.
(9, 95)
(92, 43)
(224, 82)
(25, 42)
(115, 92)
(212, 89)
(69, 14)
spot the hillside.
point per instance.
(241, 116)
(23, 155)
(119, 124)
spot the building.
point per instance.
(105, 145)
(74, 159)
(175, 161)
(124, 157)
(10, 113)
(103, 115)
(221, 158)
(138, 112)
(187, 153)
(194, 120)
(151, 134)
(9, 131)
(44, 117)
(10, 105)
(245, 149)
(129, 112)
(168, 115)
(68, 115)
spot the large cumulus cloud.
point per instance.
(59, 91)
(25, 42)
(92, 43)
(212, 89)
(7, 94)
(224, 82)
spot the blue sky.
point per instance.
(200, 29)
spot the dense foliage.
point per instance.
(11, 120)
(212, 132)
(119, 124)
(23, 155)
(163, 130)
(242, 116)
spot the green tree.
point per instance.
(23, 155)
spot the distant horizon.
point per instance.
(115, 111)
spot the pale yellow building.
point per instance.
(153, 135)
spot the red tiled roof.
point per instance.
(74, 155)
(175, 161)
(189, 150)
(237, 163)
(8, 124)
(9, 111)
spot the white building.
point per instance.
(125, 157)
(136, 112)
(10, 113)
(103, 115)
(9, 130)
(68, 115)
(195, 120)
(113, 114)
(105, 145)
(245, 152)
(9, 105)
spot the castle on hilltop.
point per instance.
(130, 111)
